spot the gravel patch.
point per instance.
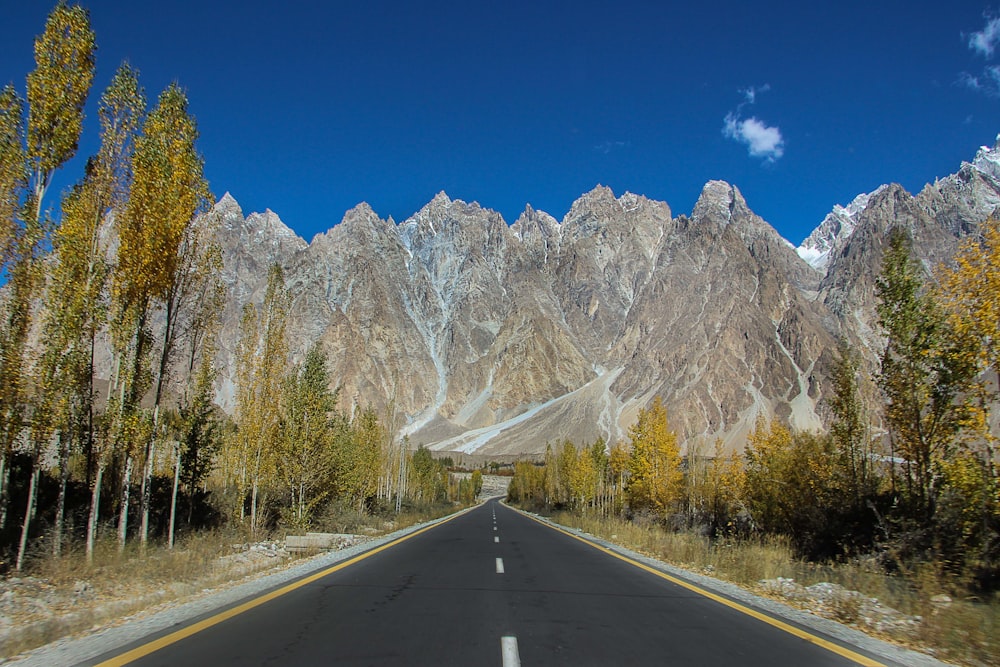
(84, 648)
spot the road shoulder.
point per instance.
(823, 626)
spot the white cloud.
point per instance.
(988, 83)
(985, 42)
(969, 81)
(761, 139)
(750, 94)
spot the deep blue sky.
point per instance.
(309, 108)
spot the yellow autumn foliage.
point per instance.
(654, 466)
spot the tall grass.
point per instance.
(966, 631)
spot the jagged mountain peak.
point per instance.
(443, 211)
(228, 202)
(229, 212)
(260, 228)
(270, 222)
(532, 218)
(497, 340)
(600, 202)
(719, 202)
(360, 220)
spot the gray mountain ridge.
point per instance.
(497, 339)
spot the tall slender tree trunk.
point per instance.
(123, 513)
(253, 509)
(147, 483)
(95, 508)
(4, 484)
(130, 399)
(29, 513)
(173, 498)
(161, 370)
(61, 501)
(89, 407)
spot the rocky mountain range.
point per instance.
(494, 338)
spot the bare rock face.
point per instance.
(489, 338)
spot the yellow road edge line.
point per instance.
(204, 624)
(781, 625)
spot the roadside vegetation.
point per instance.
(898, 501)
(124, 260)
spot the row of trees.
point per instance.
(124, 257)
(290, 452)
(907, 470)
(125, 272)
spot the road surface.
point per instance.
(488, 587)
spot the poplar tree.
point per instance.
(75, 304)
(970, 293)
(13, 183)
(168, 189)
(261, 358)
(654, 465)
(13, 167)
(57, 91)
(618, 460)
(583, 479)
(197, 436)
(121, 114)
(359, 455)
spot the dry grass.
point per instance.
(965, 631)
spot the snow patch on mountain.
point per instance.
(831, 234)
(987, 160)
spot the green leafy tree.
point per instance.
(305, 462)
(527, 486)
(851, 432)
(925, 375)
(428, 484)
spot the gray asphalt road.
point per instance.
(489, 587)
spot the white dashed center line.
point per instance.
(499, 565)
(508, 649)
(496, 539)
